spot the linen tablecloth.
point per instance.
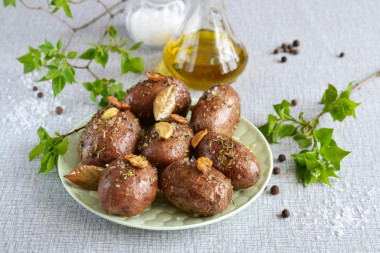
(38, 215)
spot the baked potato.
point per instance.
(199, 193)
(141, 96)
(163, 150)
(110, 133)
(128, 187)
(232, 158)
(218, 110)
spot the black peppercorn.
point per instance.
(296, 43)
(283, 59)
(281, 157)
(58, 110)
(285, 213)
(276, 51)
(276, 170)
(341, 54)
(35, 88)
(283, 45)
(290, 48)
(294, 102)
(296, 51)
(285, 49)
(274, 190)
(40, 94)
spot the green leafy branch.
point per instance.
(61, 71)
(320, 156)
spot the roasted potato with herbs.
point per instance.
(161, 149)
(199, 193)
(232, 158)
(110, 133)
(141, 96)
(127, 188)
(218, 110)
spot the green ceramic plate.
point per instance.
(161, 215)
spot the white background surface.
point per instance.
(38, 215)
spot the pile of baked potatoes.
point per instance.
(144, 144)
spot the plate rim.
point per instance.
(181, 227)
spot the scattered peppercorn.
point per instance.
(58, 110)
(341, 54)
(285, 213)
(281, 158)
(35, 88)
(286, 49)
(275, 190)
(283, 59)
(40, 94)
(283, 45)
(296, 51)
(290, 48)
(294, 102)
(296, 43)
(276, 51)
(276, 170)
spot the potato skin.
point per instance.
(104, 140)
(141, 96)
(232, 158)
(128, 194)
(217, 110)
(160, 152)
(195, 192)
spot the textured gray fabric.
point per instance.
(38, 215)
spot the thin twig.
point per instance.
(365, 81)
(92, 73)
(78, 2)
(47, 11)
(105, 7)
(70, 39)
(98, 17)
(74, 131)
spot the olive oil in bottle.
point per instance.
(205, 58)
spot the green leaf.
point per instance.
(67, 11)
(112, 31)
(27, 58)
(135, 46)
(287, 130)
(89, 54)
(324, 135)
(333, 154)
(101, 57)
(50, 164)
(68, 74)
(275, 136)
(93, 96)
(59, 44)
(72, 55)
(9, 2)
(41, 132)
(88, 86)
(136, 64)
(303, 141)
(61, 148)
(53, 73)
(346, 93)
(36, 151)
(124, 63)
(283, 108)
(58, 84)
(329, 95)
(28, 67)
